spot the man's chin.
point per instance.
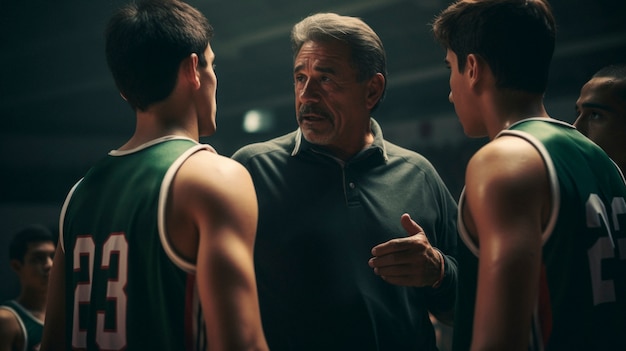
(314, 136)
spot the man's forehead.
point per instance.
(331, 51)
(37, 246)
(603, 93)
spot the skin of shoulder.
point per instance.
(507, 199)
(11, 337)
(214, 191)
(212, 217)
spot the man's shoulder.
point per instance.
(283, 144)
(410, 156)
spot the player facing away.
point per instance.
(542, 214)
(155, 246)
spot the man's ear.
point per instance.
(476, 68)
(471, 66)
(375, 88)
(189, 70)
(16, 265)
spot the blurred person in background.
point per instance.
(31, 251)
(601, 111)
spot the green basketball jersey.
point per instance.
(582, 294)
(125, 286)
(32, 327)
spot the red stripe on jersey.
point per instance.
(544, 307)
(189, 312)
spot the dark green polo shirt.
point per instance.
(318, 221)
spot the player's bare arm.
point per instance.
(10, 330)
(218, 197)
(506, 192)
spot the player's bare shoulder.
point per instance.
(508, 167)
(213, 182)
(507, 158)
(9, 327)
(216, 167)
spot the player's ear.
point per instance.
(188, 70)
(16, 265)
(471, 66)
(476, 68)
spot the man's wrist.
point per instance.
(442, 270)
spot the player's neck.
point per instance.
(150, 127)
(512, 107)
(34, 301)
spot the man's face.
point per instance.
(601, 116)
(33, 271)
(332, 107)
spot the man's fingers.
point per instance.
(392, 259)
(409, 225)
(411, 228)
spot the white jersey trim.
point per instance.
(154, 142)
(63, 210)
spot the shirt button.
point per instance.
(352, 185)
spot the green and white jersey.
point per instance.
(126, 288)
(31, 326)
(582, 294)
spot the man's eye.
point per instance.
(38, 259)
(325, 79)
(594, 116)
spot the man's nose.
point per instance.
(580, 124)
(48, 263)
(309, 91)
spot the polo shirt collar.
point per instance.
(376, 148)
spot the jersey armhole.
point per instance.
(179, 261)
(63, 211)
(554, 191)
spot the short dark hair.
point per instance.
(618, 72)
(367, 51)
(515, 37)
(33, 233)
(145, 43)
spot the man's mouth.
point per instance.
(312, 118)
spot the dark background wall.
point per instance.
(60, 111)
